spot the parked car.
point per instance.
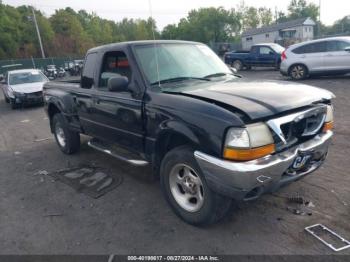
(51, 71)
(61, 72)
(265, 55)
(328, 56)
(209, 135)
(23, 87)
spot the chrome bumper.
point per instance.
(248, 180)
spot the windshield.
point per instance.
(277, 48)
(26, 77)
(179, 61)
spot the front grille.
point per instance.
(298, 127)
(35, 95)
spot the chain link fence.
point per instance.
(38, 63)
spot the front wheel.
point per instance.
(67, 140)
(13, 104)
(186, 190)
(7, 100)
(237, 64)
(298, 72)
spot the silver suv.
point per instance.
(328, 56)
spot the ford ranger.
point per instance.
(264, 55)
(210, 136)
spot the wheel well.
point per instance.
(52, 110)
(290, 67)
(165, 143)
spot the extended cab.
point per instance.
(264, 55)
(209, 135)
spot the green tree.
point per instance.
(302, 9)
(265, 16)
(205, 25)
(251, 18)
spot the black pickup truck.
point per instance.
(209, 135)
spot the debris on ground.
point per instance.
(16, 153)
(42, 139)
(299, 211)
(328, 237)
(41, 172)
(53, 215)
(25, 121)
(91, 180)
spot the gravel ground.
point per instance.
(39, 215)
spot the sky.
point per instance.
(168, 12)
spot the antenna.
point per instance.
(154, 39)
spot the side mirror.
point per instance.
(233, 70)
(347, 49)
(118, 84)
(86, 82)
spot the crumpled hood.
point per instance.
(260, 99)
(28, 88)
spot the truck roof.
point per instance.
(142, 42)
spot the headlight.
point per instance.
(252, 142)
(328, 122)
(17, 94)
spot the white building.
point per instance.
(285, 34)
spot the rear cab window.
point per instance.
(114, 64)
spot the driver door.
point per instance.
(118, 115)
(267, 56)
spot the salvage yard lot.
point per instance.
(41, 215)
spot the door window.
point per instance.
(114, 64)
(311, 48)
(264, 50)
(335, 46)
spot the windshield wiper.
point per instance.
(179, 79)
(217, 75)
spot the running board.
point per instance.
(117, 152)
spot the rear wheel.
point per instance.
(186, 190)
(298, 72)
(237, 64)
(67, 140)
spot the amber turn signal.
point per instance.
(327, 126)
(248, 154)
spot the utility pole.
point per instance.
(38, 32)
(319, 18)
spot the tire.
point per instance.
(298, 72)
(13, 104)
(7, 100)
(67, 140)
(178, 167)
(237, 64)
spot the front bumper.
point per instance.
(34, 98)
(248, 180)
